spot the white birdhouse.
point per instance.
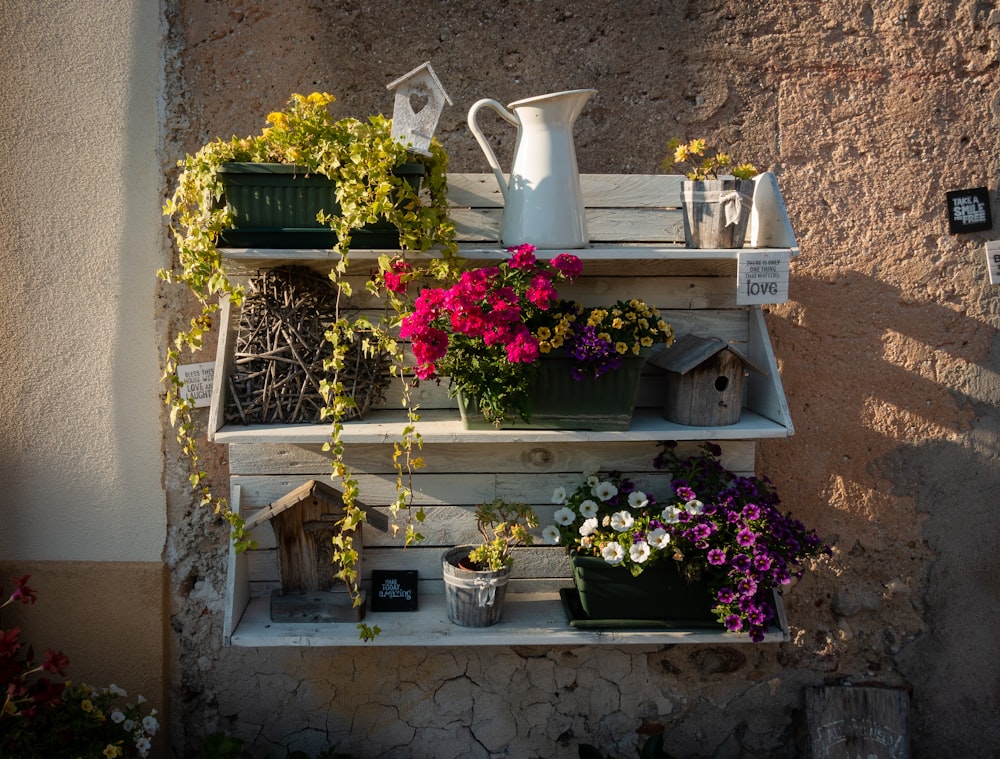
(420, 98)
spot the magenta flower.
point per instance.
(569, 265)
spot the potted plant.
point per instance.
(518, 355)
(712, 549)
(44, 715)
(716, 210)
(364, 172)
(475, 577)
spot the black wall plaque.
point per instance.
(394, 590)
(969, 210)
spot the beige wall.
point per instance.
(82, 506)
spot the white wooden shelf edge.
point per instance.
(444, 426)
(528, 619)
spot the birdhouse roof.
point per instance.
(423, 71)
(314, 489)
(691, 351)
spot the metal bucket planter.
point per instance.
(716, 212)
(474, 598)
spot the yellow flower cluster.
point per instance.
(700, 164)
(629, 325)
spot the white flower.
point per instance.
(604, 491)
(695, 507)
(621, 521)
(116, 691)
(551, 535)
(564, 516)
(559, 495)
(117, 716)
(588, 509)
(639, 552)
(128, 725)
(658, 538)
(150, 724)
(637, 499)
(671, 515)
(589, 527)
(613, 553)
(142, 745)
(592, 480)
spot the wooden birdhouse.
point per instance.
(420, 98)
(704, 381)
(304, 524)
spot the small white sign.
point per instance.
(197, 379)
(993, 261)
(761, 278)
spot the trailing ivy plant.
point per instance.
(360, 157)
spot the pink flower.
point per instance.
(394, 278)
(523, 349)
(541, 292)
(571, 266)
(523, 256)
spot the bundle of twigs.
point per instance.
(280, 349)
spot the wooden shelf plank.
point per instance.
(528, 619)
(444, 426)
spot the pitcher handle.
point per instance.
(484, 144)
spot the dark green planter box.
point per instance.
(275, 205)
(659, 594)
(559, 402)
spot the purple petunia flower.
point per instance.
(716, 557)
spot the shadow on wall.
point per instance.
(896, 403)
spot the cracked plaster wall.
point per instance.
(868, 112)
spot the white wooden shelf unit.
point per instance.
(637, 251)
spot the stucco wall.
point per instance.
(82, 505)
(868, 112)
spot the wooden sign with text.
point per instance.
(197, 379)
(394, 590)
(761, 278)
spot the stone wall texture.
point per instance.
(868, 112)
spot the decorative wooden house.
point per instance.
(420, 98)
(704, 382)
(304, 524)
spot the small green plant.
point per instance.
(502, 525)
(697, 161)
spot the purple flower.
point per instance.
(734, 623)
(716, 557)
(745, 537)
(741, 562)
(761, 562)
(726, 595)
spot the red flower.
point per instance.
(22, 592)
(56, 662)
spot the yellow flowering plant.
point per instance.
(697, 161)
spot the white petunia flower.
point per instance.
(621, 521)
(116, 691)
(604, 491)
(592, 480)
(117, 716)
(559, 495)
(150, 724)
(658, 538)
(694, 507)
(637, 500)
(564, 516)
(589, 527)
(671, 515)
(588, 509)
(639, 552)
(551, 535)
(613, 553)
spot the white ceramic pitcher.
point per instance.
(543, 204)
